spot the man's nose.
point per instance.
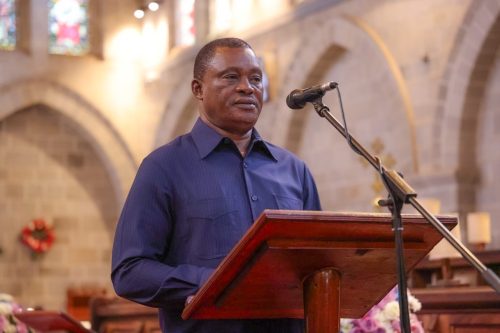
(244, 85)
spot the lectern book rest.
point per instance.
(263, 275)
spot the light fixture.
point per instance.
(153, 6)
(139, 13)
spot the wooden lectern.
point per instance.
(314, 265)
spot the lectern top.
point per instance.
(262, 276)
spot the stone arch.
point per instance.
(336, 37)
(296, 128)
(462, 93)
(106, 141)
(458, 84)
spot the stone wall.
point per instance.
(50, 171)
(420, 86)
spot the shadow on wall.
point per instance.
(57, 138)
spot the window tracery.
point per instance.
(68, 27)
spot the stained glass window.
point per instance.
(222, 16)
(185, 23)
(7, 24)
(68, 27)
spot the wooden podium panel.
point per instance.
(262, 277)
(46, 321)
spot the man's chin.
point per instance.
(241, 127)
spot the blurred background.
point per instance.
(88, 88)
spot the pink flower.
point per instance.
(3, 323)
(379, 330)
(416, 325)
(396, 325)
(368, 324)
(383, 317)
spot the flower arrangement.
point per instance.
(38, 236)
(384, 317)
(9, 323)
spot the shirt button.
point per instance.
(254, 197)
(245, 165)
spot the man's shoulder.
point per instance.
(282, 154)
(180, 145)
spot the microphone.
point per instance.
(298, 98)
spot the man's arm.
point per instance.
(141, 241)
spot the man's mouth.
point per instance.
(247, 104)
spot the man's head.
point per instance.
(228, 84)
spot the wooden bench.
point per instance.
(118, 315)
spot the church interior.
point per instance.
(88, 88)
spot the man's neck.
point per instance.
(242, 141)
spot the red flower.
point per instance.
(38, 236)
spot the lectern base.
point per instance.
(322, 301)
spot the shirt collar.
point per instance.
(207, 139)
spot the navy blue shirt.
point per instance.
(190, 203)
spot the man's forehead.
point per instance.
(234, 57)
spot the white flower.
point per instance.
(346, 325)
(5, 308)
(413, 303)
(390, 311)
(6, 298)
(10, 329)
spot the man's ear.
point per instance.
(197, 89)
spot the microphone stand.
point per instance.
(399, 194)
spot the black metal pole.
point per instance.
(395, 205)
(407, 195)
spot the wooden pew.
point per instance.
(118, 315)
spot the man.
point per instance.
(194, 198)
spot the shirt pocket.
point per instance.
(214, 228)
(287, 202)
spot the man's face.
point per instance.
(231, 90)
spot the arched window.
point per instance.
(7, 24)
(221, 16)
(185, 23)
(68, 27)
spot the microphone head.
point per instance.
(293, 102)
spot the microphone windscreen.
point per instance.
(291, 101)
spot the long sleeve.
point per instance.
(309, 192)
(139, 271)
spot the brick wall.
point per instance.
(50, 171)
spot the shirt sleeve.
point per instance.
(141, 242)
(310, 192)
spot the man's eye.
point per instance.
(230, 77)
(256, 79)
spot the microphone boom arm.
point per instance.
(407, 195)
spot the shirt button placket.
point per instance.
(253, 197)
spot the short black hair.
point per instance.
(207, 52)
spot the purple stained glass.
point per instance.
(68, 27)
(7, 24)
